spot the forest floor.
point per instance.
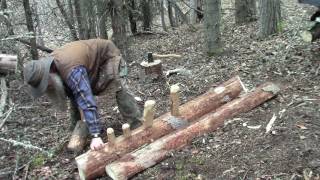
(234, 151)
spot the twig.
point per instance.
(271, 122)
(16, 169)
(27, 170)
(5, 119)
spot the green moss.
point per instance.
(38, 160)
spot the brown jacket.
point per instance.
(100, 57)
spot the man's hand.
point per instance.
(96, 144)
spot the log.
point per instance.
(79, 136)
(312, 34)
(8, 63)
(143, 158)
(92, 164)
(111, 136)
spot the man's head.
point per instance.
(36, 75)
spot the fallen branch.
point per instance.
(92, 164)
(139, 160)
(27, 146)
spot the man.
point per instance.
(80, 70)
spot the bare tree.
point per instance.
(102, 18)
(119, 24)
(246, 11)
(270, 17)
(172, 19)
(147, 15)
(132, 16)
(193, 11)
(30, 26)
(81, 25)
(68, 20)
(212, 18)
(163, 22)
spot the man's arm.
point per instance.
(79, 84)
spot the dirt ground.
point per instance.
(235, 151)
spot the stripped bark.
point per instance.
(92, 164)
(139, 160)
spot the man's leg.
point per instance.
(128, 106)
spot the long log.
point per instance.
(92, 164)
(8, 63)
(139, 160)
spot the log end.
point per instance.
(174, 88)
(307, 36)
(114, 174)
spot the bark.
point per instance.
(147, 15)
(270, 17)
(212, 18)
(179, 14)
(312, 34)
(92, 164)
(102, 18)
(246, 11)
(33, 42)
(139, 160)
(132, 18)
(67, 20)
(8, 63)
(163, 22)
(119, 25)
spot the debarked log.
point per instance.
(8, 63)
(143, 158)
(92, 164)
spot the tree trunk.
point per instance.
(28, 14)
(270, 17)
(91, 19)
(212, 18)
(38, 26)
(246, 11)
(119, 25)
(172, 20)
(81, 26)
(92, 164)
(147, 15)
(67, 20)
(132, 18)
(137, 161)
(102, 18)
(193, 12)
(163, 21)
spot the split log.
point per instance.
(79, 136)
(139, 160)
(312, 34)
(111, 136)
(92, 164)
(8, 63)
(148, 113)
(174, 100)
